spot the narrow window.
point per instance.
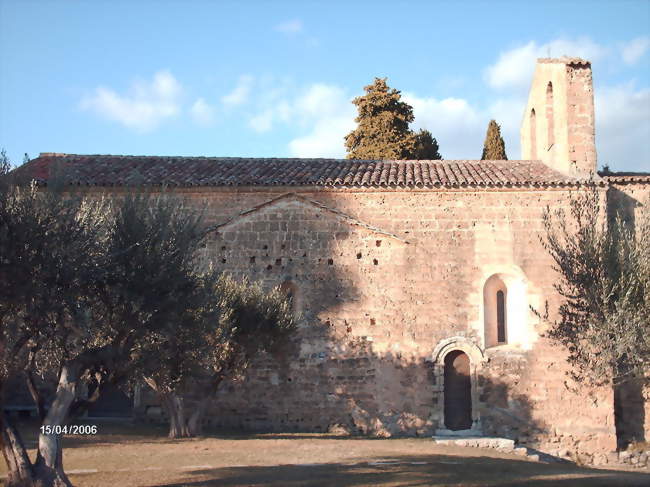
(501, 317)
(533, 135)
(549, 116)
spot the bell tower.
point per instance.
(558, 126)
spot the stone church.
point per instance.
(414, 280)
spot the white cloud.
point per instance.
(262, 122)
(508, 112)
(456, 125)
(241, 93)
(280, 111)
(325, 138)
(622, 112)
(329, 114)
(202, 112)
(514, 68)
(320, 100)
(146, 106)
(635, 49)
(322, 113)
(293, 26)
(623, 127)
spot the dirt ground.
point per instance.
(127, 455)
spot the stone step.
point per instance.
(463, 433)
(474, 440)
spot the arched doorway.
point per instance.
(457, 391)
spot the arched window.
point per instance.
(496, 311)
(501, 317)
(549, 116)
(506, 309)
(533, 135)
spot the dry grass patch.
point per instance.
(140, 455)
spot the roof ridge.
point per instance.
(315, 159)
(122, 170)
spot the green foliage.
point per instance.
(253, 319)
(98, 291)
(230, 323)
(383, 128)
(426, 148)
(49, 247)
(5, 164)
(494, 148)
(604, 269)
(153, 244)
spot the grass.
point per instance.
(141, 455)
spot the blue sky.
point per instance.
(275, 79)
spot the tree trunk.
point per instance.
(48, 467)
(174, 406)
(47, 470)
(195, 421)
(20, 472)
(183, 422)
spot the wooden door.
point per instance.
(458, 391)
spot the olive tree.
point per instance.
(237, 322)
(604, 282)
(86, 284)
(50, 246)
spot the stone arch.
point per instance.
(476, 361)
(514, 288)
(495, 311)
(476, 355)
(550, 122)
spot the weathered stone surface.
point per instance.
(384, 289)
(387, 281)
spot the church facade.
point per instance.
(415, 281)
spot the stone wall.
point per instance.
(383, 279)
(558, 126)
(628, 199)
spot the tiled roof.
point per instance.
(625, 177)
(107, 170)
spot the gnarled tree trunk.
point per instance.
(184, 422)
(47, 470)
(176, 412)
(48, 467)
(185, 416)
(195, 421)
(20, 472)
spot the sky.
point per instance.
(276, 78)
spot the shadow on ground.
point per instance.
(432, 470)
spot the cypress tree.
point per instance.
(494, 149)
(426, 147)
(383, 127)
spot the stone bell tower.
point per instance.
(558, 126)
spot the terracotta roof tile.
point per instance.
(109, 170)
(625, 177)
